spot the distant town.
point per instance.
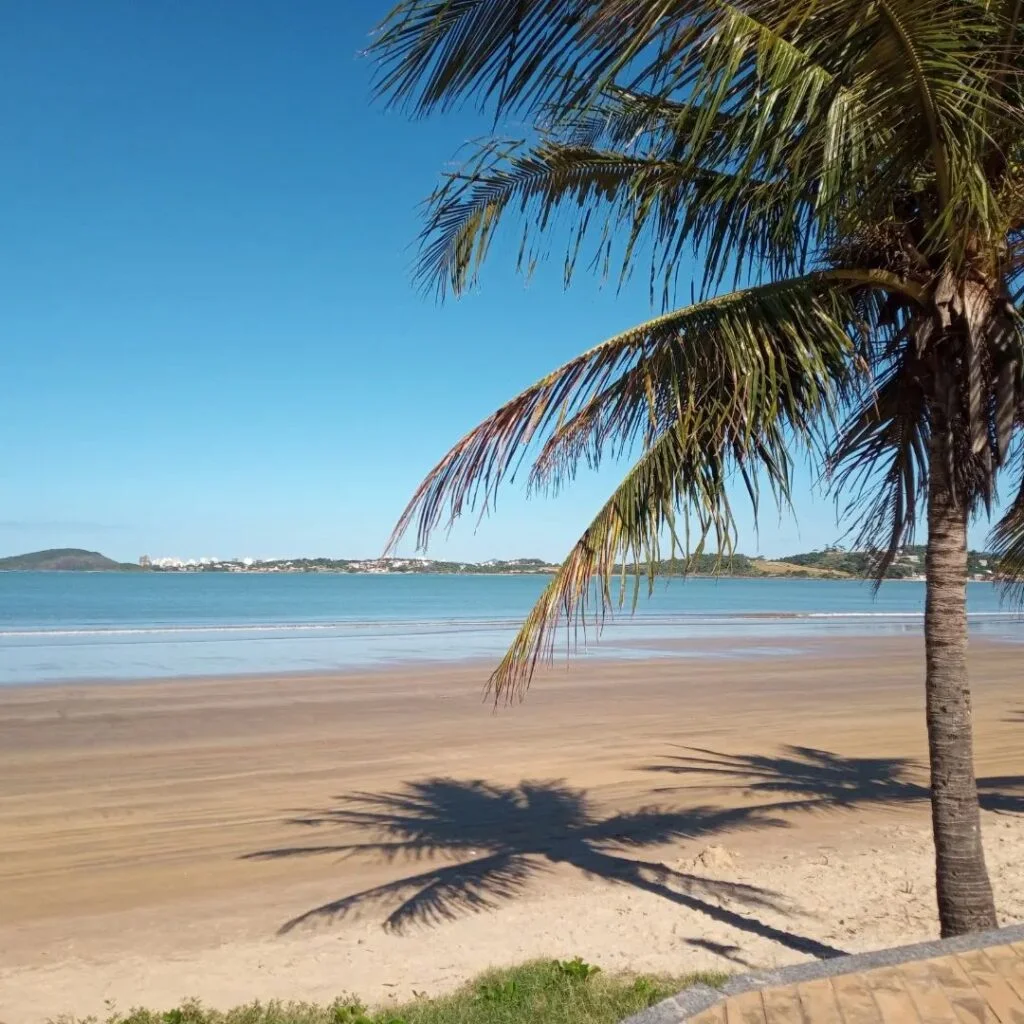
(364, 565)
(834, 562)
(831, 563)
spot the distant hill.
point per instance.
(63, 560)
(808, 567)
(909, 563)
(832, 563)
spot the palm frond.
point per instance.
(673, 206)
(791, 333)
(433, 54)
(637, 122)
(677, 489)
(880, 459)
(726, 390)
(1006, 541)
(765, 346)
(851, 100)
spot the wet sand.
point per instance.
(157, 836)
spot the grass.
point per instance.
(542, 992)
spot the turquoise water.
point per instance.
(56, 626)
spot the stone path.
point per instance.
(974, 979)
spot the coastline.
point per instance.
(155, 817)
(602, 656)
(825, 575)
(56, 628)
(132, 653)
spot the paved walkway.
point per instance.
(979, 986)
(974, 979)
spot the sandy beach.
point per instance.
(387, 833)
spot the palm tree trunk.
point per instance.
(962, 883)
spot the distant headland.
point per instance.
(65, 560)
(831, 563)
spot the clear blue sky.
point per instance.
(210, 340)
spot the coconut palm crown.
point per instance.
(847, 174)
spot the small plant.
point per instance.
(349, 1013)
(190, 1012)
(576, 969)
(497, 991)
(646, 990)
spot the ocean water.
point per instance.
(61, 626)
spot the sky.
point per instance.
(210, 341)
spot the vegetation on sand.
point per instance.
(544, 992)
(850, 176)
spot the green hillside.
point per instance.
(63, 560)
(832, 563)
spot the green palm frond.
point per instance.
(763, 348)
(726, 390)
(681, 474)
(433, 54)
(783, 346)
(1006, 541)
(532, 53)
(671, 205)
(880, 460)
(673, 502)
(637, 122)
(821, 90)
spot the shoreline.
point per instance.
(609, 652)
(686, 652)
(92, 630)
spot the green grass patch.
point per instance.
(542, 992)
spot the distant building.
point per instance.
(145, 562)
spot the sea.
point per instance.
(126, 626)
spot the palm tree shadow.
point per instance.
(727, 951)
(484, 843)
(820, 780)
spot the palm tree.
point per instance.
(849, 174)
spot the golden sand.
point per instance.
(646, 815)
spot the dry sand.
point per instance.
(157, 836)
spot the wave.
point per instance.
(902, 615)
(413, 626)
(385, 625)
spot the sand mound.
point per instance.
(711, 858)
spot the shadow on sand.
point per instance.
(486, 841)
(820, 780)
